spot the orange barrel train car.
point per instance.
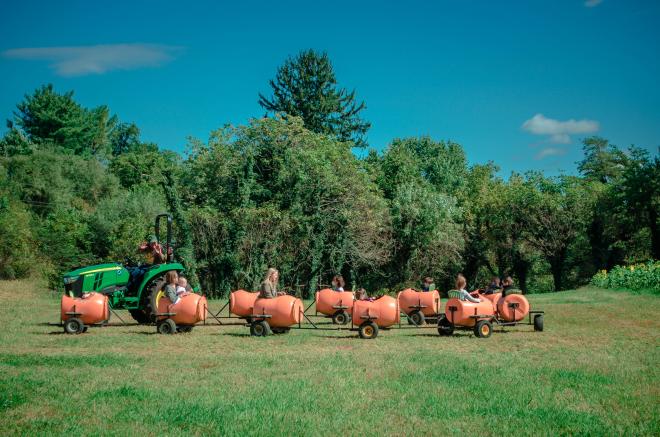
(335, 304)
(370, 315)
(419, 305)
(77, 313)
(493, 309)
(241, 303)
(181, 316)
(275, 315)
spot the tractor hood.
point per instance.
(93, 269)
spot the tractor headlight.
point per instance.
(70, 279)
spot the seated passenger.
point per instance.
(507, 285)
(171, 279)
(338, 283)
(461, 283)
(361, 294)
(182, 287)
(494, 286)
(269, 285)
(427, 284)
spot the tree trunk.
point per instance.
(653, 227)
(521, 270)
(557, 268)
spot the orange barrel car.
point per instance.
(275, 315)
(79, 312)
(465, 314)
(182, 316)
(419, 305)
(241, 303)
(336, 304)
(370, 315)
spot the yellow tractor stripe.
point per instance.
(106, 269)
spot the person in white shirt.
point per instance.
(461, 283)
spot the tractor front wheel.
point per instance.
(166, 326)
(73, 326)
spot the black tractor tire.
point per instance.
(340, 318)
(417, 318)
(185, 328)
(140, 316)
(260, 328)
(145, 315)
(368, 330)
(73, 326)
(445, 327)
(166, 326)
(538, 322)
(483, 329)
(279, 330)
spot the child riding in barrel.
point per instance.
(461, 283)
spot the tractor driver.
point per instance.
(153, 251)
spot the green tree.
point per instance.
(306, 87)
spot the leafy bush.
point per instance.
(634, 277)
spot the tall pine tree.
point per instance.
(305, 86)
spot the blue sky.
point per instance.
(519, 83)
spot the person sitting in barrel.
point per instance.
(507, 285)
(338, 283)
(461, 283)
(171, 280)
(182, 287)
(494, 286)
(269, 285)
(427, 284)
(361, 294)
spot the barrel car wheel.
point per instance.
(538, 322)
(73, 326)
(185, 328)
(368, 330)
(340, 318)
(166, 326)
(260, 329)
(417, 318)
(483, 329)
(445, 327)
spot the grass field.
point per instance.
(593, 371)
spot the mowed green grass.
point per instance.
(593, 371)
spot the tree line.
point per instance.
(79, 186)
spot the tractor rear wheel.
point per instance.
(139, 316)
(148, 301)
(73, 326)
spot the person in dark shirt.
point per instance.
(494, 286)
(427, 284)
(507, 285)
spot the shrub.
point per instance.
(633, 277)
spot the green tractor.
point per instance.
(133, 288)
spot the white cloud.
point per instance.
(592, 3)
(550, 151)
(83, 60)
(559, 132)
